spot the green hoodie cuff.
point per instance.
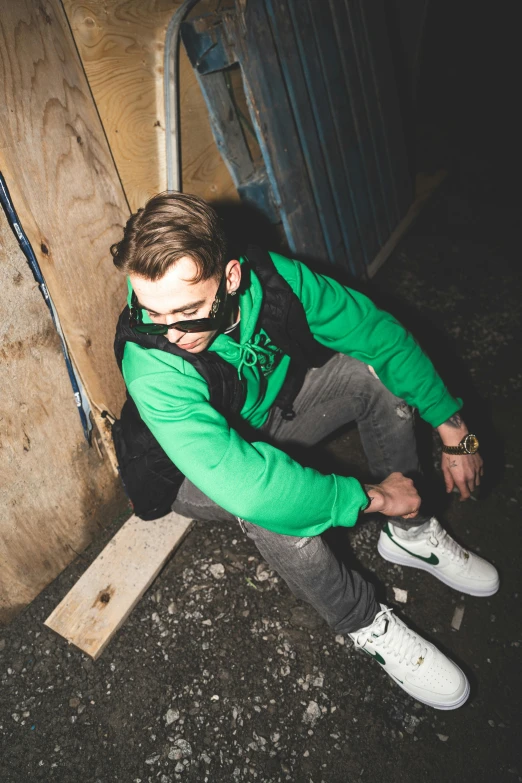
(350, 500)
(440, 413)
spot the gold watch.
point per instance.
(468, 445)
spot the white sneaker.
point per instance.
(435, 551)
(415, 664)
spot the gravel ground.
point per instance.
(221, 675)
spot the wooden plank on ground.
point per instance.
(102, 599)
(425, 187)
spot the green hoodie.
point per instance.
(254, 480)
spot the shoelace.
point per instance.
(441, 538)
(397, 639)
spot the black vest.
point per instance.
(150, 478)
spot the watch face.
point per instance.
(471, 443)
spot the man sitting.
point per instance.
(299, 356)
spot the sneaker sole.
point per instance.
(451, 706)
(400, 559)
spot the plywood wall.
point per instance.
(56, 126)
(121, 43)
(55, 491)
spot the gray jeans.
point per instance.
(343, 390)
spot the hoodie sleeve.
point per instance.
(347, 321)
(255, 481)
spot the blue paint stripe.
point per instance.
(350, 161)
(317, 88)
(284, 36)
(279, 140)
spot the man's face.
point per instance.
(175, 297)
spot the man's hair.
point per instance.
(169, 227)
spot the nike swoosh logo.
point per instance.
(432, 559)
(376, 655)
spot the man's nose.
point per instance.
(173, 335)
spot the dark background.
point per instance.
(455, 280)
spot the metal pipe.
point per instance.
(171, 96)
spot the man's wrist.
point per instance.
(453, 430)
(375, 497)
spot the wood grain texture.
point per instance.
(102, 599)
(55, 492)
(121, 43)
(59, 169)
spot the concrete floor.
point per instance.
(221, 675)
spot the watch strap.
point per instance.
(462, 447)
(454, 450)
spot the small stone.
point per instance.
(401, 596)
(339, 639)
(180, 750)
(2, 644)
(312, 713)
(217, 570)
(171, 609)
(171, 716)
(261, 573)
(456, 621)
(74, 702)
(491, 723)
(152, 759)
(443, 737)
(411, 723)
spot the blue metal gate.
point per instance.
(320, 89)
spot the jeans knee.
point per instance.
(403, 411)
(376, 397)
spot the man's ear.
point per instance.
(233, 275)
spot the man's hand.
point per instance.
(460, 470)
(396, 496)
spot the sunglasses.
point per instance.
(214, 320)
